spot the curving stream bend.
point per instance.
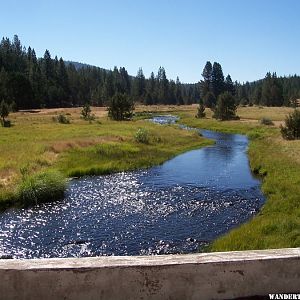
(177, 207)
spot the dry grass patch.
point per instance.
(259, 112)
(65, 145)
(7, 177)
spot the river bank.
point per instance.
(277, 162)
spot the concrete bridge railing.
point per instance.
(226, 275)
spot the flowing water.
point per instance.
(177, 207)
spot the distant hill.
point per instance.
(79, 65)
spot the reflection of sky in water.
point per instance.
(173, 208)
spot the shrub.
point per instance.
(4, 112)
(266, 121)
(6, 123)
(291, 130)
(120, 107)
(142, 136)
(41, 187)
(86, 113)
(244, 102)
(61, 118)
(201, 110)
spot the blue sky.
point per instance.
(248, 38)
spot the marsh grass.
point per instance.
(41, 187)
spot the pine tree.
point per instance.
(178, 92)
(229, 85)
(206, 83)
(217, 80)
(48, 65)
(139, 86)
(210, 100)
(151, 93)
(3, 84)
(201, 110)
(272, 91)
(63, 81)
(125, 84)
(120, 107)
(163, 86)
(108, 90)
(291, 130)
(226, 107)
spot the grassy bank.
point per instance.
(36, 147)
(277, 161)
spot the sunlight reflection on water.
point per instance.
(173, 208)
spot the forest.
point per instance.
(27, 82)
(31, 82)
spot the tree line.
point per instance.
(29, 82)
(270, 91)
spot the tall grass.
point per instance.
(41, 187)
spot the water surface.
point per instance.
(177, 207)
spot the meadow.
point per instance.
(37, 152)
(37, 147)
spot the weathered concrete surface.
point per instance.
(226, 275)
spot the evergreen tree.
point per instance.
(120, 107)
(163, 86)
(63, 82)
(201, 110)
(206, 84)
(19, 89)
(291, 130)
(108, 90)
(229, 86)
(218, 85)
(125, 84)
(48, 65)
(171, 99)
(210, 100)
(226, 107)
(151, 93)
(3, 84)
(47, 82)
(178, 92)
(272, 91)
(139, 86)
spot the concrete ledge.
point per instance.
(222, 275)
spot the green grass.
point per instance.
(38, 145)
(41, 187)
